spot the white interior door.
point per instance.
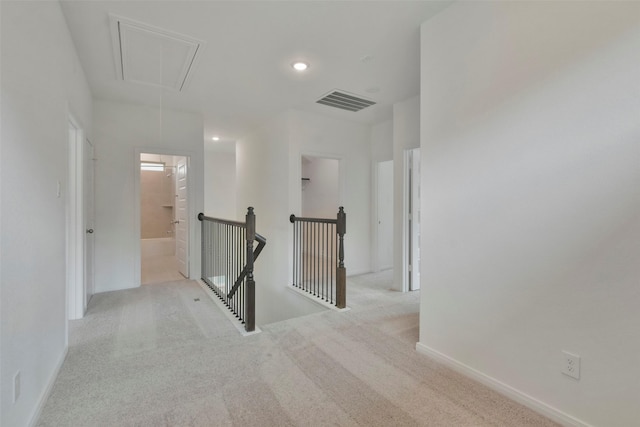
(415, 219)
(182, 217)
(89, 215)
(385, 214)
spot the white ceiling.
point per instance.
(244, 76)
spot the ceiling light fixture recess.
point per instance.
(300, 66)
(216, 138)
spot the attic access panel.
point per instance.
(153, 56)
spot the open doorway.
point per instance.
(164, 218)
(320, 187)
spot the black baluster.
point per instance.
(333, 259)
(326, 260)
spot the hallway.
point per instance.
(164, 355)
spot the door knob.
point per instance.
(90, 230)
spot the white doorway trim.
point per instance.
(406, 195)
(410, 231)
(190, 207)
(415, 220)
(75, 222)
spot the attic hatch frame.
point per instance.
(120, 26)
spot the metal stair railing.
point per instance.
(318, 257)
(228, 259)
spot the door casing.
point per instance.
(89, 219)
(76, 229)
(410, 232)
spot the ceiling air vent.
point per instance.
(344, 101)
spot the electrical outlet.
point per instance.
(571, 365)
(16, 387)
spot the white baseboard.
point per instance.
(47, 390)
(502, 388)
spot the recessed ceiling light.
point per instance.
(300, 66)
(216, 138)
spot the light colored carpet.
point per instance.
(164, 355)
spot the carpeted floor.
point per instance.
(164, 355)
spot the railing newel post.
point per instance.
(341, 274)
(250, 291)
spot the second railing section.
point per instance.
(318, 257)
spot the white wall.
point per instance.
(382, 141)
(381, 150)
(120, 130)
(530, 201)
(383, 221)
(42, 81)
(220, 184)
(406, 135)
